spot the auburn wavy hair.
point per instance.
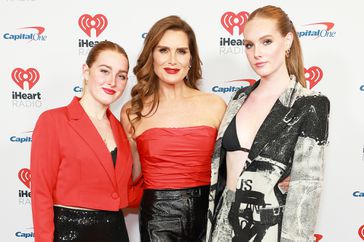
(147, 87)
(98, 49)
(294, 59)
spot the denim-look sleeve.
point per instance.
(304, 191)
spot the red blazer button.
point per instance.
(114, 195)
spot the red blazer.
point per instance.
(71, 166)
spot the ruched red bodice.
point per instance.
(176, 157)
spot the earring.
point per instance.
(287, 53)
(186, 77)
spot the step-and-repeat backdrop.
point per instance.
(43, 45)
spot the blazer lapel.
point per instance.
(80, 122)
(272, 127)
(123, 154)
(277, 120)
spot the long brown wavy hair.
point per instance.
(147, 87)
(294, 60)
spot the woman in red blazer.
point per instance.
(81, 161)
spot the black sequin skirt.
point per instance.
(89, 226)
(174, 215)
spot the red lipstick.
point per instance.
(108, 91)
(260, 64)
(171, 70)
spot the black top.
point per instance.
(114, 153)
(230, 141)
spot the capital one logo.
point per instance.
(319, 29)
(233, 85)
(20, 76)
(328, 25)
(36, 34)
(250, 82)
(25, 176)
(229, 20)
(87, 23)
(313, 75)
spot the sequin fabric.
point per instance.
(89, 226)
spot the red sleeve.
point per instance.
(45, 159)
(135, 192)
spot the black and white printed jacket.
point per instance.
(290, 142)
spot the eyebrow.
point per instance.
(180, 48)
(109, 67)
(263, 37)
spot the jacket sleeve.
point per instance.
(45, 160)
(135, 191)
(303, 198)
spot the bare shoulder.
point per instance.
(124, 109)
(213, 101)
(124, 117)
(213, 106)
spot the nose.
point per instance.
(257, 51)
(112, 80)
(172, 58)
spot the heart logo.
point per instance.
(313, 75)
(361, 232)
(229, 20)
(25, 176)
(20, 76)
(318, 237)
(87, 22)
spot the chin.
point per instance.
(262, 73)
(172, 81)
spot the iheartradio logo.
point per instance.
(318, 237)
(229, 20)
(361, 232)
(20, 76)
(313, 75)
(87, 22)
(25, 176)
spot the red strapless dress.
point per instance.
(175, 158)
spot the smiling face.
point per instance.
(171, 57)
(106, 78)
(265, 47)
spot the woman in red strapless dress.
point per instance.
(172, 128)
